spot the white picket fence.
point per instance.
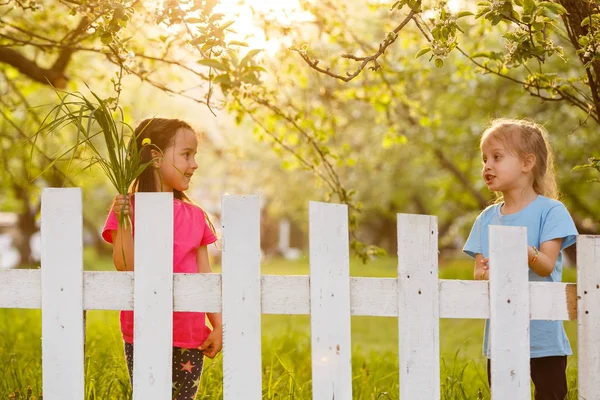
(417, 297)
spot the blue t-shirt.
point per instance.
(545, 219)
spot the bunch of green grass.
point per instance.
(120, 158)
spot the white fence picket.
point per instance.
(153, 296)
(588, 318)
(330, 301)
(242, 367)
(418, 307)
(509, 307)
(62, 294)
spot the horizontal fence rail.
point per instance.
(62, 290)
(281, 294)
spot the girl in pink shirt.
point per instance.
(172, 144)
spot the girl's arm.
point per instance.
(122, 238)
(546, 257)
(480, 271)
(543, 265)
(123, 247)
(213, 344)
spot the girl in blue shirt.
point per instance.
(518, 164)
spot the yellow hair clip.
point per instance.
(146, 141)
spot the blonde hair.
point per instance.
(523, 138)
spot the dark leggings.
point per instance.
(187, 369)
(549, 376)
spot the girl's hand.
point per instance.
(121, 204)
(213, 343)
(482, 266)
(485, 266)
(485, 263)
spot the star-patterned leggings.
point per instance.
(187, 369)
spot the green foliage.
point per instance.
(115, 17)
(136, 37)
(440, 114)
(594, 164)
(207, 32)
(589, 50)
(414, 5)
(399, 137)
(534, 21)
(237, 73)
(535, 34)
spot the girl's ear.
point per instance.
(529, 162)
(156, 158)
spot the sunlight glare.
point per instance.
(244, 13)
(454, 5)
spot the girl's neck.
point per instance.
(515, 201)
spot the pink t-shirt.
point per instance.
(190, 231)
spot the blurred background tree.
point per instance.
(390, 126)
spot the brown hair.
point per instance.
(161, 132)
(524, 138)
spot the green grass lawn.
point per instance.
(285, 348)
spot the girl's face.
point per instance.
(503, 170)
(178, 163)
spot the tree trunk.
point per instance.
(27, 228)
(577, 11)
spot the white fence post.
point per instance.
(62, 294)
(330, 301)
(588, 316)
(418, 307)
(153, 296)
(242, 362)
(509, 313)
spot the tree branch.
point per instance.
(391, 38)
(32, 70)
(528, 86)
(65, 56)
(54, 75)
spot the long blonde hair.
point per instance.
(525, 137)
